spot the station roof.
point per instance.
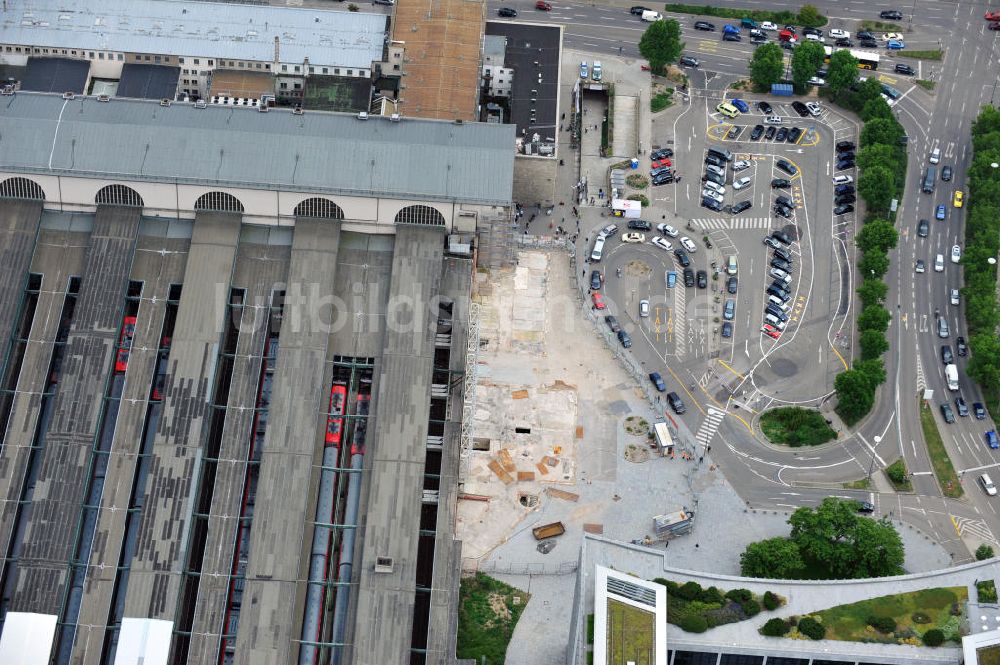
(56, 75)
(236, 147)
(212, 29)
(148, 81)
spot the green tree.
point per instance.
(881, 130)
(988, 121)
(934, 637)
(876, 187)
(877, 235)
(873, 344)
(874, 264)
(661, 44)
(767, 65)
(855, 396)
(875, 108)
(877, 548)
(842, 72)
(984, 365)
(873, 370)
(775, 558)
(872, 291)
(880, 154)
(810, 17)
(775, 628)
(874, 317)
(806, 59)
(833, 536)
(984, 552)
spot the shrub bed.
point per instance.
(696, 609)
(795, 426)
(986, 591)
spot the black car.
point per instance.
(891, 14)
(732, 283)
(844, 146)
(979, 411)
(788, 46)
(702, 279)
(865, 507)
(758, 39)
(769, 134)
(727, 329)
(639, 9)
(688, 61)
(734, 131)
(612, 323)
(713, 177)
(781, 135)
(780, 183)
(740, 207)
(786, 166)
(781, 237)
(923, 228)
(783, 211)
(508, 12)
(781, 264)
(812, 31)
(868, 43)
(595, 279)
(845, 198)
(843, 209)
(846, 155)
(963, 350)
(800, 108)
(946, 356)
(688, 277)
(844, 41)
(625, 339)
(758, 131)
(794, 135)
(782, 253)
(711, 204)
(905, 69)
(946, 173)
(731, 37)
(949, 415)
(864, 34)
(714, 161)
(775, 311)
(765, 108)
(663, 179)
(779, 293)
(640, 225)
(843, 189)
(662, 153)
(682, 257)
(701, 25)
(843, 164)
(676, 403)
(963, 410)
(784, 201)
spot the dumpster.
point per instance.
(782, 89)
(548, 530)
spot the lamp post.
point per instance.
(871, 465)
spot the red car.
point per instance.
(771, 331)
(124, 345)
(661, 163)
(992, 16)
(334, 423)
(598, 300)
(544, 6)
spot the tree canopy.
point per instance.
(767, 65)
(806, 59)
(842, 72)
(878, 235)
(661, 44)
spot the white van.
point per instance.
(935, 155)
(778, 302)
(731, 266)
(987, 484)
(598, 249)
(650, 16)
(774, 321)
(951, 374)
(597, 71)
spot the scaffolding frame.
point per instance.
(469, 392)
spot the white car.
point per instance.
(644, 308)
(956, 253)
(666, 229)
(778, 273)
(634, 237)
(815, 38)
(662, 243)
(837, 33)
(842, 180)
(689, 245)
(712, 194)
(741, 183)
(740, 164)
(954, 297)
(767, 25)
(815, 80)
(939, 263)
(891, 35)
(717, 170)
(773, 120)
(718, 189)
(814, 108)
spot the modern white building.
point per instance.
(198, 37)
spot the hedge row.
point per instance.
(808, 16)
(696, 609)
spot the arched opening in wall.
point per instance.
(118, 195)
(424, 215)
(218, 202)
(21, 188)
(320, 208)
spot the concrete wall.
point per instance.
(535, 180)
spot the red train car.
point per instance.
(124, 345)
(335, 423)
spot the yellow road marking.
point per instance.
(954, 523)
(686, 391)
(839, 356)
(726, 365)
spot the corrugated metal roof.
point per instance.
(323, 152)
(210, 29)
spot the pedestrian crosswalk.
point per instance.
(679, 321)
(921, 380)
(709, 426)
(733, 224)
(976, 528)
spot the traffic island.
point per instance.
(796, 426)
(944, 470)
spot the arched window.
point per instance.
(218, 202)
(119, 195)
(320, 208)
(21, 188)
(424, 215)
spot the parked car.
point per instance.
(704, 25)
(658, 381)
(688, 61)
(507, 12)
(840, 190)
(662, 179)
(843, 209)
(676, 403)
(781, 135)
(729, 309)
(769, 134)
(800, 108)
(741, 206)
(688, 278)
(702, 277)
(727, 329)
(688, 244)
(844, 146)
(904, 69)
(732, 284)
(671, 279)
(844, 199)
(740, 165)
(786, 166)
(842, 179)
(741, 183)
(595, 279)
(814, 108)
(757, 132)
(634, 238)
(682, 257)
(661, 153)
(764, 108)
(598, 300)
(740, 104)
(625, 339)
(991, 439)
(777, 183)
(662, 243)
(794, 134)
(640, 225)
(643, 309)
(612, 323)
(844, 42)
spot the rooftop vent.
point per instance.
(459, 121)
(383, 564)
(363, 115)
(69, 95)
(164, 102)
(394, 117)
(7, 90)
(263, 108)
(298, 111)
(103, 98)
(201, 104)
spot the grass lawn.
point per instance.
(857, 485)
(849, 622)
(934, 54)
(943, 468)
(631, 634)
(795, 426)
(661, 100)
(488, 610)
(925, 84)
(898, 470)
(988, 655)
